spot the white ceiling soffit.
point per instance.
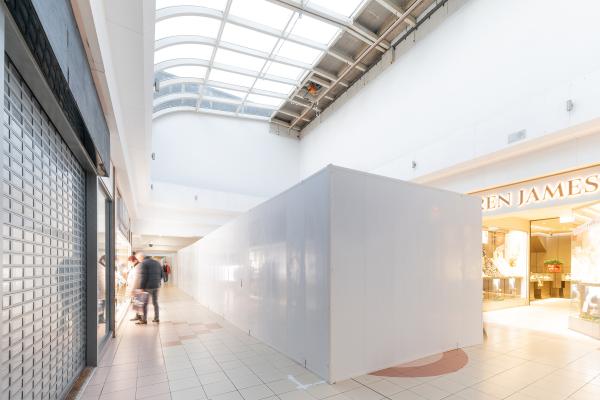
(275, 60)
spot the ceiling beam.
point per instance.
(328, 75)
(414, 5)
(277, 121)
(214, 49)
(397, 11)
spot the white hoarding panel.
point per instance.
(347, 272)
(405, 272)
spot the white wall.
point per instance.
(223, 154)
(405, 272)
(576, 153)
(347, 271)
(267, 272)
(453, 96)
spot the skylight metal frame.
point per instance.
(296, 99)
(216, 43)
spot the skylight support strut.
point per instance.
(214, 51)
(414, 5)
(397, 11)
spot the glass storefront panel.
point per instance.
(122, 268)
(504, 267)
(550, 259)
(102, 264)
(585, 273)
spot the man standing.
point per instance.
(167, 271)
(150, 275)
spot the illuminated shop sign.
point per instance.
(564, 187)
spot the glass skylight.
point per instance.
(284, 71)
(220, 92)
(248, 38)
(266, 100)
(230, 77)
(315, 30)
(214, 4)
(187, 25)
(342, 7)
(271, 86)
(236, 59)
(199, 51)
(187, 71)
(299, 52)
(245, 59)
(262, 12)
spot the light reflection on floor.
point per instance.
(528, 354)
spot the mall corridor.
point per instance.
(343, 199)
(194, 355)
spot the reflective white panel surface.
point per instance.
(347, 272)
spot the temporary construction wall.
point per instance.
(347, 272)
(405, 272)
(267, 272)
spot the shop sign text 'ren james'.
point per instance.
(571, 187)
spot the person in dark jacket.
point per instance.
(150, 275)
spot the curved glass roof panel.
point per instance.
(315, 30)
(262, 12)
(187, 25)
(255, 111)
(285, 71)
(242, 57)
(264, 100)
(214, 4)
(234, 58)
(186, 71)
(299, 52)
(248, 38)
(345, 8)
(187, 50)
(231, 77)
(225, 93)
(275, 87)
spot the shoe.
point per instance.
(156, 320)
(142, 322)
(137, 318)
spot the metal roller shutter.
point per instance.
(43, 225)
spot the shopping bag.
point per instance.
(139, 300)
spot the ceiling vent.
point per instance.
(517, 136)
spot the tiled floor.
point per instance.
(194, 354)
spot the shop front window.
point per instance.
(504, 267)
(585, 274)
(122, 269)
(550, 259)
(102, 266)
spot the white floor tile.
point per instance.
(213, 389)
(258, 392)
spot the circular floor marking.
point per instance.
(440, 364)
